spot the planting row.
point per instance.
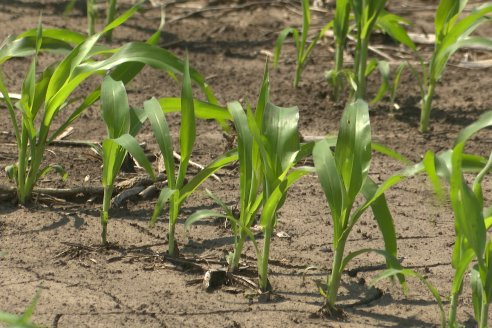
(268, 149)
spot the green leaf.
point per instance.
(115, 108)
(341, 21)
(200, 215)
(382, 215)
(280, 127)
(203, 110)
(477, 293)
(446, 11)
(53, 167)
(485, 120)
(245, 140)
(466, 207)
(382, 149)
(278, 44)
(273, 202)
(331, 182)
(384, 70)
(162, 134)
(187, 131)
(204, 174)
(306, 23)
(353, 149)
(113, 156)
(410, 273)
(164, 196)
(486, 273)
(392, 25)
(131, 145)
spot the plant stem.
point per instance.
(238, 249)
(333, 280)
(426, 107)
(108, 192)
(91, 18)
(297, 76)
(22, 192)
(484, 314)
(173, 217)
(110, 15)
(361, 69)
(452, 310)
(170, 238)
(263, 266)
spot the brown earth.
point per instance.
(53, 246)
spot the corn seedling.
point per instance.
(178, 190)
(472, 248)
(122, 125)
(268, 148)
(343, 175)
(23, 320)
(341, 31)
(44, 97)
(472, 221)
(368, 15)
(452, 34)
(250, 177)
(390, 84)
(303, 47)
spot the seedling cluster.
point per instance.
(268, 149)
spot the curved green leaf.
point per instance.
(164, 196)
(202, 214)
(353, 149)
(162, 134)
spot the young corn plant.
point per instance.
(268, 148)
(303, 47)
(473, 219)
(122, 125)
(250, 177)
(472, 251)
(452, 34)
(368, 15)
(44, 96)
(280, 151)
(178, 190)
(341, 30)
(390, 83)
(343, 175)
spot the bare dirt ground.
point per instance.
(53, 246)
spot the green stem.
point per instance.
(173, 217)
(452, 310)
(484, 314)
(263, 265)
(333, 280)
(110, 15)
(238, 249)
(171, 249)
(297, 76)
(426, 107)
(361, 69)
(91, 18)
(22, 169)
(108, 192)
